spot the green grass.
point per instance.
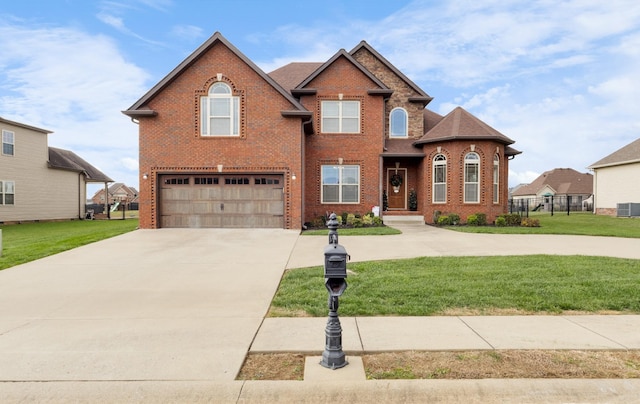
(438, 285)
(30, 241)
(577, 223)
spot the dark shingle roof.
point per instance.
(289, 76)
(67, 160)
(564, 181)
(460, 124)
(628, 154)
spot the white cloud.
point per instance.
(74, 84)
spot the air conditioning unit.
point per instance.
(628, 209)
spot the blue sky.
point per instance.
(561, 78)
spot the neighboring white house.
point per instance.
(616, 179)
(38, 182)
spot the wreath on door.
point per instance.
(396, 180)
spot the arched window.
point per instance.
(496, 178)
(398, 123)
(439, 179)
(220, 112)
(472, 178)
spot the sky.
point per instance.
(560, 78)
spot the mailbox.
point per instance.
(335, 261)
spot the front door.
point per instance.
(397, 188)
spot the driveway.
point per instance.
(170, 304)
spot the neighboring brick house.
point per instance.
(568, 187)
(615, 181)
(223, 144)
(38, 182)
(118, 192)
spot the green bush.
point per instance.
(501, 221)
(472, 220)
(357, 222)
(510, 219)
(367, 220)
(436, 216)
(529, 222)
(454, 219)
(377, 221)
(350, 219)
(443, 220)
(482, 219)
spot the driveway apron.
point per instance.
(169, 304)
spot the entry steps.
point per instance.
(390, 219)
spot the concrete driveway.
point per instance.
(164, 304)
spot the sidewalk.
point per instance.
(167, 316)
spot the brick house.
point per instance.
(117, 192)
(223, 144)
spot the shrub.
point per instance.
(377, 221)
(367, 220)
(454, 219)
(510, 219)
(343, 217)
(501, 221)
(443, 220)
(529, 222)
(350, 219)
(413, 200)
(482, 219)
(357, 222)
(472, 220)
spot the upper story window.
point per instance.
(220, 112)
(398, 123)
(496, 178)
(439, 179)
(471, 178)
(8, 142)
(340, 116)
(7, 192)
(340, 184)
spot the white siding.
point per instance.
(41, 193)
(617, 184)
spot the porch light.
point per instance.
(293, 176)
(145, 176)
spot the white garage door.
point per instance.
(234, 201)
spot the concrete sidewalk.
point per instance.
(169, 315)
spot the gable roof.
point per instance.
(564, 181)
(67, 160)
(381, 90)
(424, 97)
(25, 126)
(137, 109)
(289, 76)
(626, 155)
(459, 125)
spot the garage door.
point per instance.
(222, 201)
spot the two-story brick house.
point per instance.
(223, 144)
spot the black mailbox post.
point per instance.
(335, 275)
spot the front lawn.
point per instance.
(468, 285)
(30, 241)
(576, 223)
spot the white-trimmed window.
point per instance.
(340, 116)
(8, 142)
(7, 192)
(398, 123)
(340, 184)
(496, 178)
(439, 179)
(220, 112)
(472, 178)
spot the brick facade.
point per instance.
(281, 133)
